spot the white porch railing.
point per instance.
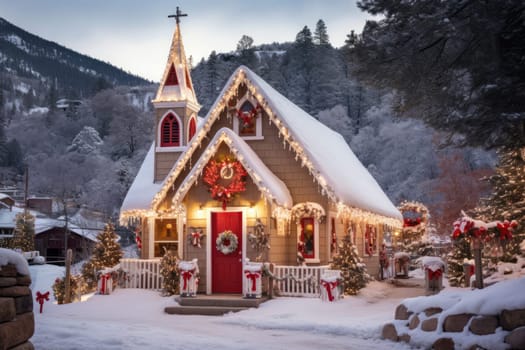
(295, 281)
(142, 273)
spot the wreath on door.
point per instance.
(226, 242)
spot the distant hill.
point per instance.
(30, 57)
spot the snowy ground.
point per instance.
(134, 319)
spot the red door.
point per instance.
(226, 268)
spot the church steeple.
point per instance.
(176, 84)
(176, 107)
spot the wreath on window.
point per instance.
(225, 179)
(226, 242)
(247, 117)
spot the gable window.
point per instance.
(247, 121)
(191, 129)
(170, 132)
(172, 77)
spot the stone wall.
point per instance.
(17, 322)
(511, 321)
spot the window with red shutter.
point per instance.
(192, 129)
(170, 132)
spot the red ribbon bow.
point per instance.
(505, 229)
(329, 286)
(186, 275)
(196, 236)
(41, 298)
(252, 276)
(434, 274)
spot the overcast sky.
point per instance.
(135, 34)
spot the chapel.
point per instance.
(255, 165)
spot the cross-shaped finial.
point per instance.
(178, 14)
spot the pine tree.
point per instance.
(169, 269)
(107, 253)
(455, 260)
(353, 270)
(507, 201)
(321, 34)
(24, 235)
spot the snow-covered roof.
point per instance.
(345, 175)
(44, 223)
(323, 151)
(267, 182)
(143, 188)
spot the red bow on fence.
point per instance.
(252, 276)
(434, 274)
(329, 286)
(505, 229)
(40, 298)
(186, 275)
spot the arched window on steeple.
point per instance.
(191, 129)
(170, 132)
(172, 77)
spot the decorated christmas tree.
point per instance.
(353, 270)
(170, 273)
(507, 201)
(455, 260)
(24, 235)
(107, 253)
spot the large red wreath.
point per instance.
(226, 171)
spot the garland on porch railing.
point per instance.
(311, 279)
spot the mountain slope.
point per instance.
(29, 56)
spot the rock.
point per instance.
(23, 280)
(404, 337)
(484, 325)
(8, 270)
(429, 325)
(15, 291)
(512, 319)
(443, 344)
(414, 322)
(7, 282)
(456, 323)
(24, 304)
(17, 331)
(7, 309)
(402, 312)
(516, 338)
(432, 311)
(24, 346)
(389, 332)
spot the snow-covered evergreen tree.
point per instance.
(107, 253)
(507, 201)
(353, 271)
(86, 141)
(24, 235)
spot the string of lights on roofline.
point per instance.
(345, 211)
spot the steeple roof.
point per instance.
(176, 84)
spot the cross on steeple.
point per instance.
(178, 14)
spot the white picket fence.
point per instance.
(299, 281)
(296, 281)
(141, 273)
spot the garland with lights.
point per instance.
(226, 242)
(233, 171)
